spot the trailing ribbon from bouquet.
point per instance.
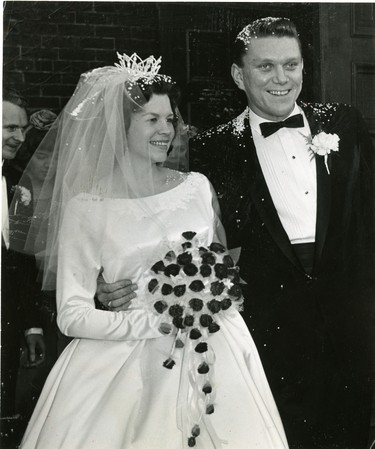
(192, 286)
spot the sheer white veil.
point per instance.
(89, 152)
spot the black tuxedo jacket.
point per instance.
(293, 316)
(18, 270)
(18, 309)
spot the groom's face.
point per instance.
(271, 76)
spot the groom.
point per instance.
(303, 213)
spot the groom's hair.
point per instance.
(265, 27)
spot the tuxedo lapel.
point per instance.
(323, 181)
(261, 197)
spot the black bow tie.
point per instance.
(268, 128)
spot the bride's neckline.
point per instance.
(172, 181)
(169, 180)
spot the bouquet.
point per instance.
(192, 286)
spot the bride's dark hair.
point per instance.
(141, 90)
(160, 85)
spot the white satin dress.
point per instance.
(109, 388)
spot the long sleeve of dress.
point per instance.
(79, 263)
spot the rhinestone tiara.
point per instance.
(138, 68)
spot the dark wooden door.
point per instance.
(348, 56)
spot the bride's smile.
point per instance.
(151, 130)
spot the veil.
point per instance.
(90, 156)
(122, 137)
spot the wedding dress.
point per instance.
(109, 389)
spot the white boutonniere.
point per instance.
(322, 144)
(23, 196)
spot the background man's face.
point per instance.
(14, 127)
(271, 76)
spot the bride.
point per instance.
(179, 368)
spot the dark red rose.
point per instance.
(179, 290)
(160, 306)
(172, 269)
(202, 250)
(190, 269)
(210, 409)
(179, 343)
(208, 258)
(221, 271)
(205, 270)
(213, 327)
(214, 306)
(235, 291)
(203, 368)
(201, 347)
(169, 363)
(170, 256)
(178, 322)
(165, 328)
(186, 246)
(196, 304)
(176, 310)
(217, 288)
(189, 235)
(195, 334)
(184, 258)
(166, 289)
(205, 320)
(195, 431)
(233, 275)
(152, 285)
(158, 267)
(226, 303)
(207, 388)
(228, 261)
(196, 286)
(217, 248)
(191, 441)
(189, 320)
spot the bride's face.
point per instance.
(151, 130)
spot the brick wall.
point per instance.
(48, 44)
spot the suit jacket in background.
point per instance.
(18, 269)
(18, 309)
(308, 329)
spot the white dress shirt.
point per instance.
(290, 174)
